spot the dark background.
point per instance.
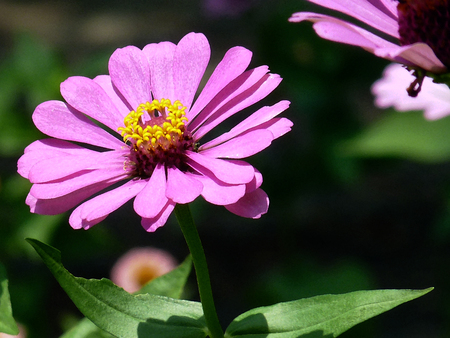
(340, 219)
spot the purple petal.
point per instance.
(255, 183)
(244, 145)
(160, 59)
(228, 171)
(257, 118)
(252, 205)
(96, 209)
(182, 188)
(104, 81)
(56, 119)
(233, 64)
(130, 74)
(278, 126)
(254, 94)
(151, 224)
(375, 16)
(219, 193)
(189, 64)
(88, 97)
(152, 199)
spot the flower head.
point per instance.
(419, 27)
(152, 148)
(139, 266)
(434, 99)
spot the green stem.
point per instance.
(194, 244)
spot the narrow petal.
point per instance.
(189, 63)
(277, 126)
(130, 74)
(88, 97)
(152, 199)
(228, 171)
(182, 188)
(244, 145)
(252, 205)
(252, 95)
(56, 119)
(219, 193)
(160, 59)
(372, 13)
(151, 224)
(104, 81)
(233, 64)
(96, 209)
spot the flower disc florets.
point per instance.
(157, 134)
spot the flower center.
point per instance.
(426, 21)
(157, 134)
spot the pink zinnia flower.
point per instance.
(148, 101)
(434, 99)
(418, 27)
(139, 266)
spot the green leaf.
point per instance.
(404, 135)
(120, 313)
(172, 283)
(320, 316)
(86, 329)
(7, 323)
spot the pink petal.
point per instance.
(233, 64)
(88, 97)
(130, 74)
(252, 205)
(252, 95)
(182, 188)
(152, 199)
(255, 183)
(104, 81)
(56, 119)
(96, 209)
(277, 126)
(219, 193)
(151, 224)
(228, 171)
(160, 59)
(232, 90)
(189, 64)
(260, 116)
(375, 15)
(244, 145)
(77, 181)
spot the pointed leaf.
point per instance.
(7, 323)
(320, 316)
(120, 313)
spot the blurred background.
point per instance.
(359, 196)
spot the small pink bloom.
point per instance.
(139, 266)
(152, 148)
(381, 15)
(434, 98)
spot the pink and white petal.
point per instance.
(244, 145)
(189, 64)
(252, 205)
(99, 207)
(104, 81)
(88, 97)
(233, 89)
(182, 188)
(372, 13)
(219, 193)
(160, 59)
(56, 119)
(260, 116)
(77, 181)
(152, 199)
(233, 64)
(130, 74)
(252, 95)
(418, 54)
(228, 171)
(151, 224)
(390, 90)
